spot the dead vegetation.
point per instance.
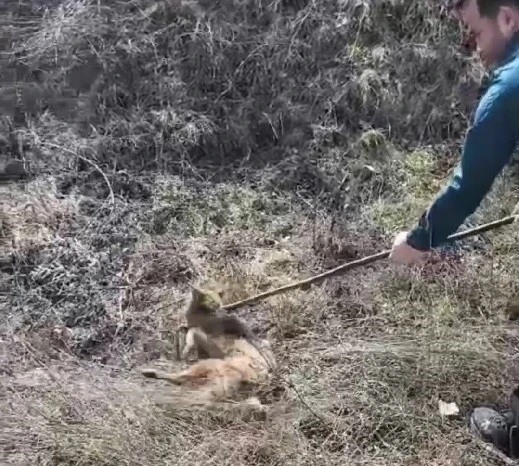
(241, 145)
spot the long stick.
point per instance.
(357, 263)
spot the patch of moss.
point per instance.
(196, 213)
(413, 189)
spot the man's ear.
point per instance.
(508, 20)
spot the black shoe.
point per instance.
(493, 427)
(501, 429)
(514, 429)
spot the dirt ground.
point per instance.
(242, 144)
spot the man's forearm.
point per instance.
(448, 212)
(488, 147)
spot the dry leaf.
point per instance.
(447, 409)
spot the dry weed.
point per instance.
(242, 145)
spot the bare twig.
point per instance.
(90, 162)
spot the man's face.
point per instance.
(491, 35)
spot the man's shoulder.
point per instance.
(505, 79)
(502, 91)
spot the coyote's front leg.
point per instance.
(197, 338)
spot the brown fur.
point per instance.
(233, 364)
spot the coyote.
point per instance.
(233, 364)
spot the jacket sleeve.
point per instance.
(489, 145)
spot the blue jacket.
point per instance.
(489, 146)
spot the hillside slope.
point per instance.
(241, 144)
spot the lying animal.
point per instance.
(233, 364)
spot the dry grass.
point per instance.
(241, 145)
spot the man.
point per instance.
(489, 146)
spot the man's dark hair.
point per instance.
(487, 8)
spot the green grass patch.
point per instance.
(193, 213)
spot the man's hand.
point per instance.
(403, 253)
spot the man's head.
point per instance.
(492, 24)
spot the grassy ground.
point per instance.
(243, 144)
